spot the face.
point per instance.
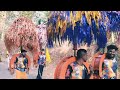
(43, 52)
(24, 53)
(111, 53)
(84, 57)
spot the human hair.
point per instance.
(112, 47)
(42, 49)
(80, 53)
(22, 51)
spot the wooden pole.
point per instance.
(74, 52)
(113, 38)
(75, 49)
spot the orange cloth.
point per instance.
(21, 75)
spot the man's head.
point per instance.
(23, 52)
(43, 51)
(82, 54)
(111, 51)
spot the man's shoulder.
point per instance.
(25, 58)
(105, 60)
(73, 63)
(41, 56)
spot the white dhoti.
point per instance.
(8, 61)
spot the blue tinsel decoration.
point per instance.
(101, 36)
(94, 29)
(83, 31)
(76, 33)
(114, 23)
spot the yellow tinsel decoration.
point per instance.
(71, 16)
(61, 23)
(49, 28)
(72, 20)
(73, 23)
(77, 17)
(61, 26)
(58, 24)
(97, 16)
(80, 14)
(49, 15)
(64, 25)
(56, 29)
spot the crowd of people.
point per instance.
(75, 70)
(20, 64)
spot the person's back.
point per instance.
(77, 69)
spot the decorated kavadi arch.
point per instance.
(21, 34)
(82, 27)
